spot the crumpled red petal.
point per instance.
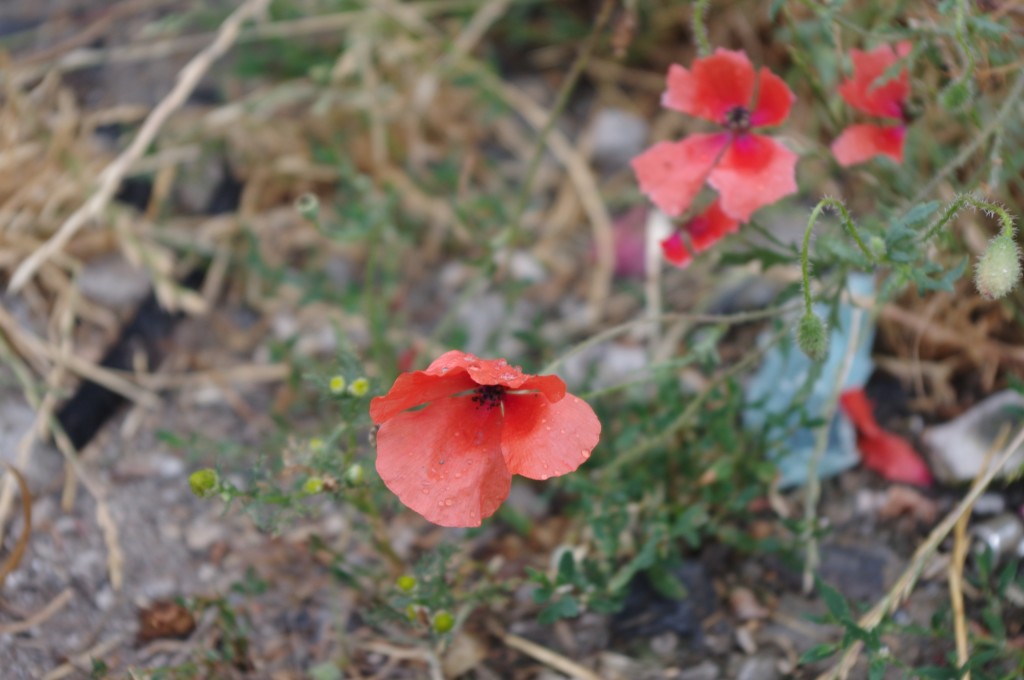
(671, 174)
(710, 227)
(675, 250)
(859, 143)
(542, 440)
(883, 452)
(712, 87)
(453, 372)
(755, 171)
(860, 90)
(445, 461)
(774, 99)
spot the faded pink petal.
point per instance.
(859, 143)
(754, 172)
(672, 173)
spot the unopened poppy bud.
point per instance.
(337, 384)
(407, 583)
(359, 387)
(812, 336)
(204, 482)
(313, 485)
(998, 270)
(308, 205)
(876, 244)
(355, 475)
(443, 622)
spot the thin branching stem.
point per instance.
(957, 204)
(848, 226)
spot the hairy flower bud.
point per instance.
(337, 384)
(998, 270)
(407, 583)
(204, 482)
(812, 336)
(313, 485)
(359, 387)
(443, 622)
(876, 244)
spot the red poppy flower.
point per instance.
(862, 142)
(748, 170)
(452, 461)
(884, 452)
(705, 230)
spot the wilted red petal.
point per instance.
(894, 458)
(859, 143)
(774, 98)
(672, 173)
(710, 226)
(675, 250)
(755, 171)
(712, 87)
(542, 440)
(883, 452)
(860, 90)
(445, 462)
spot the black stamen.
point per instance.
(737, 119)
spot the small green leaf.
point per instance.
(566, 568)
(819, 652)
(565, 607)
(835, 602)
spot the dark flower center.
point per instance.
(737, 119)
(489, 396)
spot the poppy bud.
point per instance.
(812, 336)
(359, 387)
(204, 482)
(998, 270)
(313, 485)
(308, 205)
(337, 384)
(407, 583)
(443, 622)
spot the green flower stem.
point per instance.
(700, 28)
(848, 226)
(623, 328)
(957, 204)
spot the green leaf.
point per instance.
(563, 608)
(835, 602)
(767, 258)
(819, 652)
(876, 670)
(566, 568)
(665, 582)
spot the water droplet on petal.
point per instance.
(425, 490)
(585, 453)
(562, 430)
(440, 504)
(444, 369)
(448, 502)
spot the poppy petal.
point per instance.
(754, 172)
(675, 250)
(883, 452)
(445, 461)
(418, 388)
(543, 439)
(859, 143)
(861, 91)
(710, 227)
(774, 99)
(497, 372)
(713, 87)
(672, 173)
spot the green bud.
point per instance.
(876, 244)
(204, 482)
(337, 384)
(411, 612)
(359, 387)
(355, 475)
(443, 622)
(316, 445)
(407, 583)
(313, 485)
(812, 336)
(998, 270)
(308, 205)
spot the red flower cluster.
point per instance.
(483, 421)
(748, 170)
(864, 141)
